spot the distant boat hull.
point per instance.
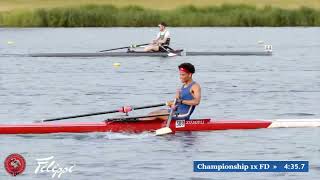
(153, 54)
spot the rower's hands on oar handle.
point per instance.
(133, 46)
(177, 99)
(126, 109)
(171, 103)
(178, 94)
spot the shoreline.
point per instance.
(186, 16)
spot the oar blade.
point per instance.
(163, 131)
(172, 54)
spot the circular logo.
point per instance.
(15, 164)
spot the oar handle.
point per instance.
(173, 107)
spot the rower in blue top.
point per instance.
(188, 97)
(184, 111)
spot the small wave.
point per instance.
(87, 136)
(315, 167)
(117, 136)
(296, 114)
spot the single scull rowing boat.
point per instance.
(137, 126)
(154, 54)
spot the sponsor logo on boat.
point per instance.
(195, 122)
(183, 123)
(15, 164)
(49, 165)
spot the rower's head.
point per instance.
(162, 26)
(186, 70)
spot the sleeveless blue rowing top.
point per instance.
(184, 111)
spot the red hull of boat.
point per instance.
(130, 127)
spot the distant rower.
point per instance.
(162, 41)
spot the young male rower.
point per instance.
(188, 96)
(162, 40)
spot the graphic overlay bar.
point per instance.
(251, 166)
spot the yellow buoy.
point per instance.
(116, 64)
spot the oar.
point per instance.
(167, 130)
(170, 54)
(136, 118)
(124, 109)
(126, 47)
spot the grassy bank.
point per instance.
(11, 5)
(136, 16)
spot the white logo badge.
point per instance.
(180, 123)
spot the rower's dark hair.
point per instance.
(163, 24)
(188, 66)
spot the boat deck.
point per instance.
(129, 126)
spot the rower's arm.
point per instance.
(196, 92)
(157, 38)
(162, 41)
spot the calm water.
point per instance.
(285, 85)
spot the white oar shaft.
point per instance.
(171, 113)
(167, 130)
(170, 54)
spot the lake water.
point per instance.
(285, 85)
